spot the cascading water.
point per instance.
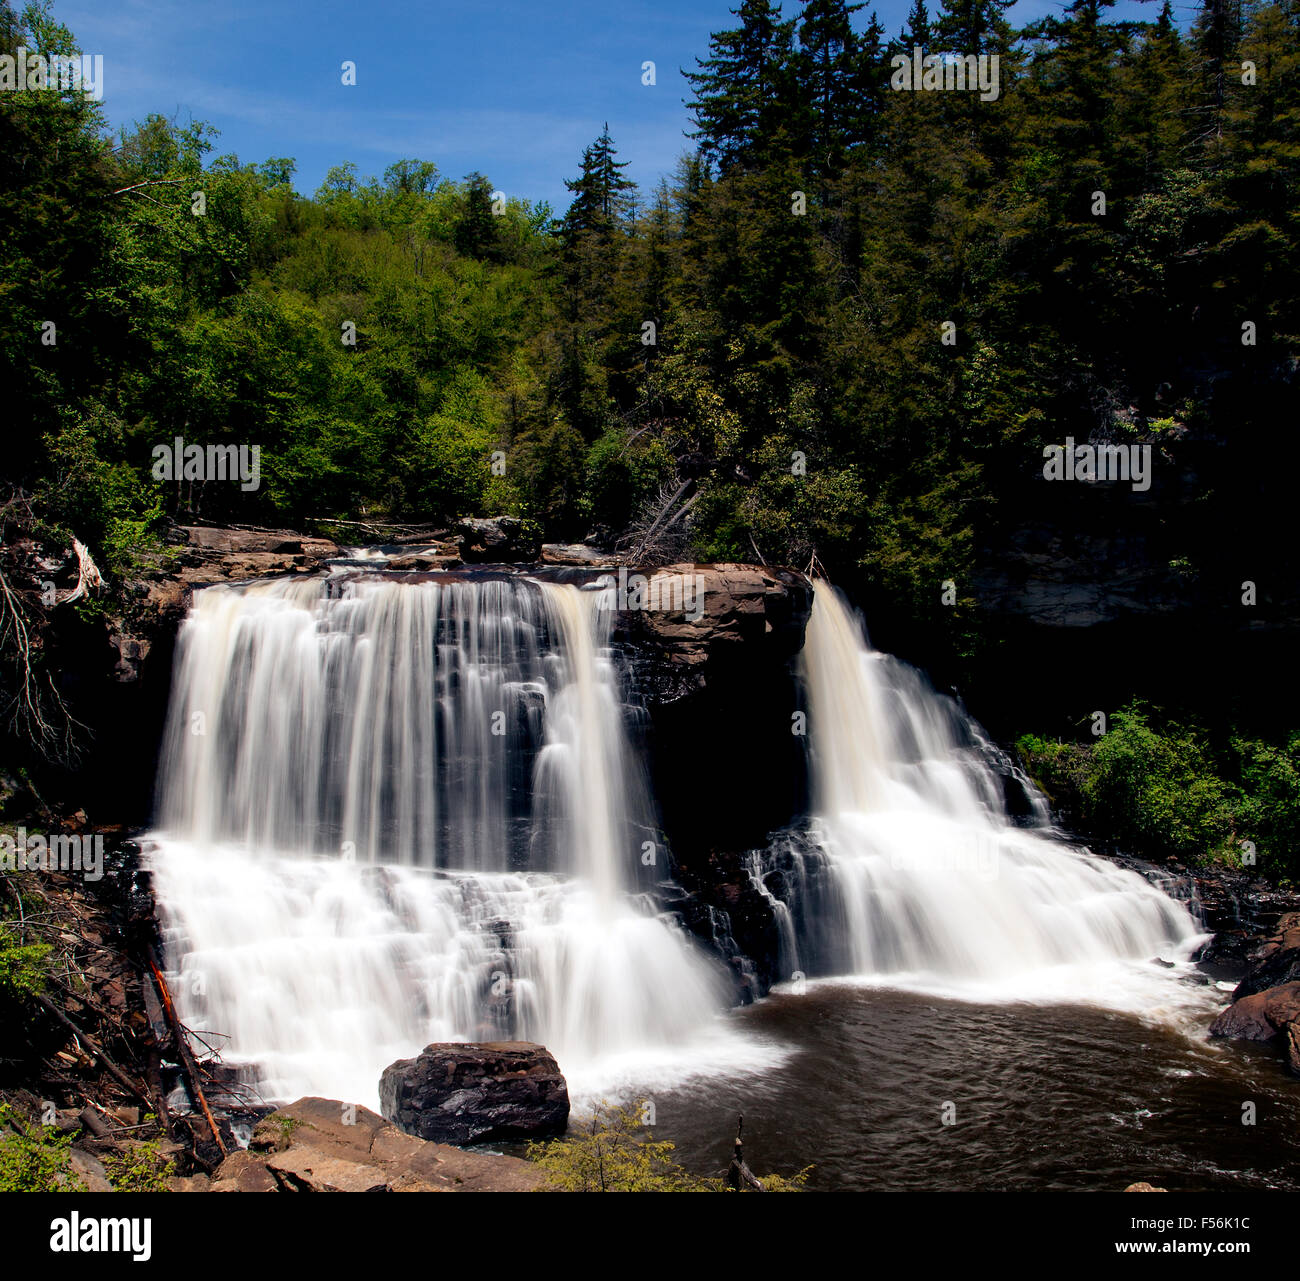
(394, 813)
(914, 874)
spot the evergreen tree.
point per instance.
(476, 228)
(743, 93)
(825, 64)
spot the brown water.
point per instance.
(1046, 1097)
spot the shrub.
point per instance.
(614, 1153)
(34, 1158)
(140, 1168)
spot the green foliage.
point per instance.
(33, 1157)
(91, 492)
(1161, 786)
(23, 968)
(141, 1167)
(1157, 786)
(780, 326)
(621, 476)
(613, 1152)
(1269, 776)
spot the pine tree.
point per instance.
(742, 91)
(917, 31)
(1215, 36)
(825, 65)
(971, 26)
(476, 228)
(602, 200)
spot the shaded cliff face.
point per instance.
(721, 694)
(712, 667)
(111, 661)
(1088, 594)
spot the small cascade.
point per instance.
(912, 870)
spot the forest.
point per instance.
(840, 336)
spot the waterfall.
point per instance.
(393, 813)
(913, 871)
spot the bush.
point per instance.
(614, 1153)
(89, 491)
(22, 967)
(1158, 787)
(34, 1158)
(1161, 788)
(1270, 809)
(141, 1168)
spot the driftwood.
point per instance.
(92, 1121)
(740, 1178)
(89, 579)
(97, 1050)
(188, 1065)
(657, 523)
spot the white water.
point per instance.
(399, 813)
(917, 877)
(394, 813)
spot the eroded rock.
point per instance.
(475, 1092)
(323, 1145)
(1260, 1016)
(497, 540)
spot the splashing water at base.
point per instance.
(913, 874)
(401, 813)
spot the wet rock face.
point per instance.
(1260, 1017)
(686, 623)
(710, 651)
(1266, 1003)
(472, 1093)
(1276, 961)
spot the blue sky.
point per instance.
(512, 88)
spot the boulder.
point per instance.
(90, 1170)
(476, 1092)
(1279, 966)
(683, 618)
(1260, 1016)
(497, 540)
(243, 1172)
(576, 554)
(425, 562)
(323, 1145)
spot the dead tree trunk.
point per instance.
(188, 1065)
(740, 1178)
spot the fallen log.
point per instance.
(96, 1049)
(188, 1065)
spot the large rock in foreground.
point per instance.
(322, 1145)
(473, 1093)
(1262, 1016)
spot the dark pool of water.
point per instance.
(1046, 1097)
